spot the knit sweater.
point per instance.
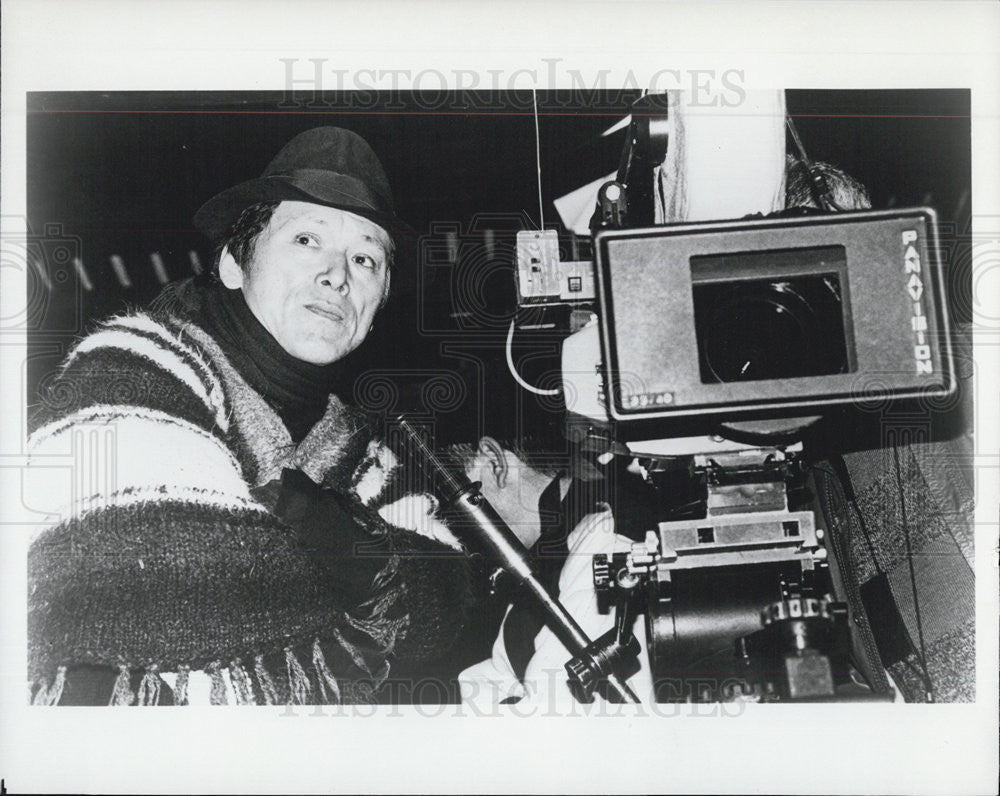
(196, 535)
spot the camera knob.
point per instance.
(602, 582)
(602, 572)
(793, 608)
(581, 672)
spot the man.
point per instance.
(564, 524)
(238, 550)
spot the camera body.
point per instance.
(762, 323)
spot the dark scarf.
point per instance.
(298, 391)
(549, 553)
(635, 512)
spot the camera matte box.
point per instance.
(895, 327)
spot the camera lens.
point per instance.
(770, 329)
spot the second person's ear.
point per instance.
(494, 452)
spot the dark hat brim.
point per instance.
(216, 217)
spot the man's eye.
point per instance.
(365, 260)
(305, 239)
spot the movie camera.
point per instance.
(709, 348)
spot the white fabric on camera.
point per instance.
(722, 162)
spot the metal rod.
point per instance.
(477, 520)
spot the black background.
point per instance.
(123, 173)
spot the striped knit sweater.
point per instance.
(174, 544)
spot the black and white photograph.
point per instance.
(373, 416)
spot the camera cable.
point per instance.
(538, 160)
(881, 577)
(509, 350)
(839, 526)
(928, 686)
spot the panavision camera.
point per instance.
(710, 347)
(761, 317)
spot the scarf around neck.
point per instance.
(298, 391)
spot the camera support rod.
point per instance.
(628, 200)
(462, 498)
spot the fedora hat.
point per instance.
(327, 166)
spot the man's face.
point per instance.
(317, 278)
